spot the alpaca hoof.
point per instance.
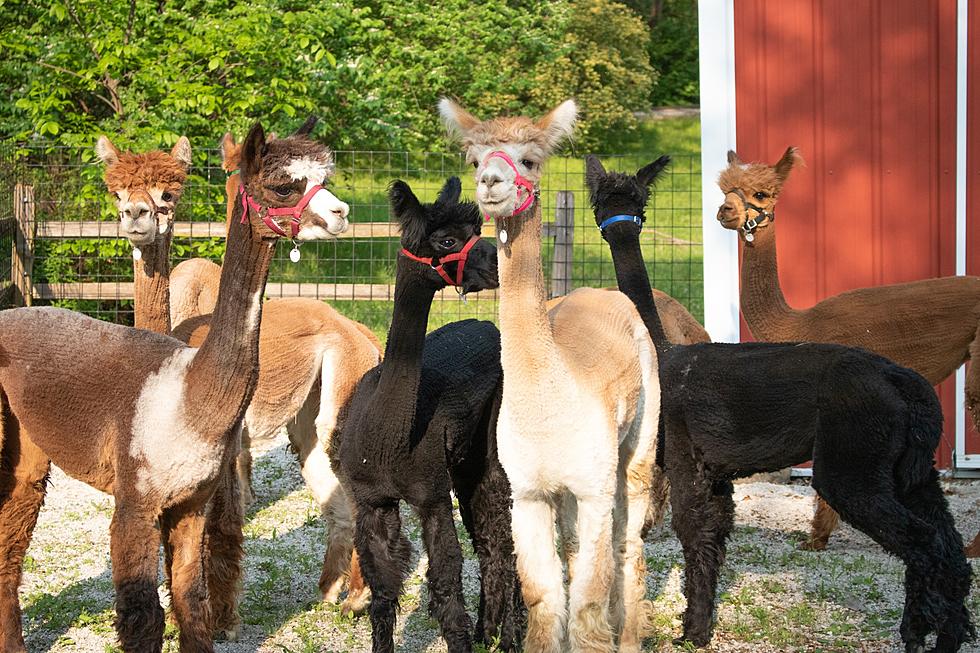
(915, 647)
(356, 603)
(229, 634)
(332, 595)
(685, 641)
(813, 545)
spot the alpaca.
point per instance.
(95, 398)
(929, 326)
(147, 187)
(441, 396)
(870, 426)
(310, 360)
(973, 549)
(579, 408)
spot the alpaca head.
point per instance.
(751, 191)
(443, 229)
(525, 142)
(615, 194)
(287, 173)
(146, 187)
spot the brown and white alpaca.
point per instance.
(147, 419)
(578, 419)
(310, 360)
(147, 187)
(930, 326)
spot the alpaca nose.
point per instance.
(725, 210)
(341, 211)
(489, 178)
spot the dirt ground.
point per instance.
(773, 596)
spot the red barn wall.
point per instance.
(867, 91)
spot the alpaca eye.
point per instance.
(476, 165)
(117, 195)
(527, 163)
(283, 191)
(167, 196)
(760, 196)
(448, 242)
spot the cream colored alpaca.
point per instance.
(578, 418)
(309, 365)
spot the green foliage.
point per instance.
(674, 53)
(148, 72)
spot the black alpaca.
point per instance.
(423, 422)
(729, 411)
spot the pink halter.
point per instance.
(522, 183)
(295, 211)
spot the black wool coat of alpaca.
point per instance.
(728, 411)
(423, 423)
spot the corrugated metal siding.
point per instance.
(867, 91)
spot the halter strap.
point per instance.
(635, 219)
(751, 224)
(294, 211)
(439, 264)
(522, 183)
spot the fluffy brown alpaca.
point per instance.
(929, 326)
(147, 419)
(578, 417)
(147, 187)
(310, 360)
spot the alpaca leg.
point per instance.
(384, 553)
(540, 573)
(659, 498)
(631, 612)
(190, 589)
(225, 543)
(592, 578)
(973, 549)
(702, 513)
(23, 480)
(568, 530)
(243, 468)
(445, 575)
(973, 381)
(825, 521)
(134, 547)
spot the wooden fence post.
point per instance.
(22, 258)
(564, 232)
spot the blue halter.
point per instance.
(635, 219)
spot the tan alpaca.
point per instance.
(147, 187)
(147, 419)
(930, 325)
(578, 419)
(310, 360)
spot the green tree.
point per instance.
(673, 49)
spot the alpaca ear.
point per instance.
(182, 152)
(789, 160)
(252, 150)
(231, 153)
(558, 123)
(457, 119)
(733, 158)
(450, 192)
(649, 173)
(404, 204)
(307, 127)
(106, 151)
(594, 172)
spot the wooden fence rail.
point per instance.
(29, 230)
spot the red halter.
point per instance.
(522, 183)
(295, 211)
(439, 265)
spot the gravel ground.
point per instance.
(774, 597)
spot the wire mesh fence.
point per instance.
(71, 254)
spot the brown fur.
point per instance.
(973, 548)
(145, 170)
(930, 325)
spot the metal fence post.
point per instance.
(564, 232)
(22, 256)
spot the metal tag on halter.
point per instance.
(137, 253)
(503, 236)
(294, 254)
(749, 236)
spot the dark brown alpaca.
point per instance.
(147, 419)
(929, 326)
(147, 187)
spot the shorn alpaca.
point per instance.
(146, 188)
(578, 417)
(310, 360)
(870, 426)
(147, 419)
(440, 395)
(930, 326)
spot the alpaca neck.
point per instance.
(223, 374)
(525, 331)
(401, 367)
(151, 286)
(763, 304)
(633, 281)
